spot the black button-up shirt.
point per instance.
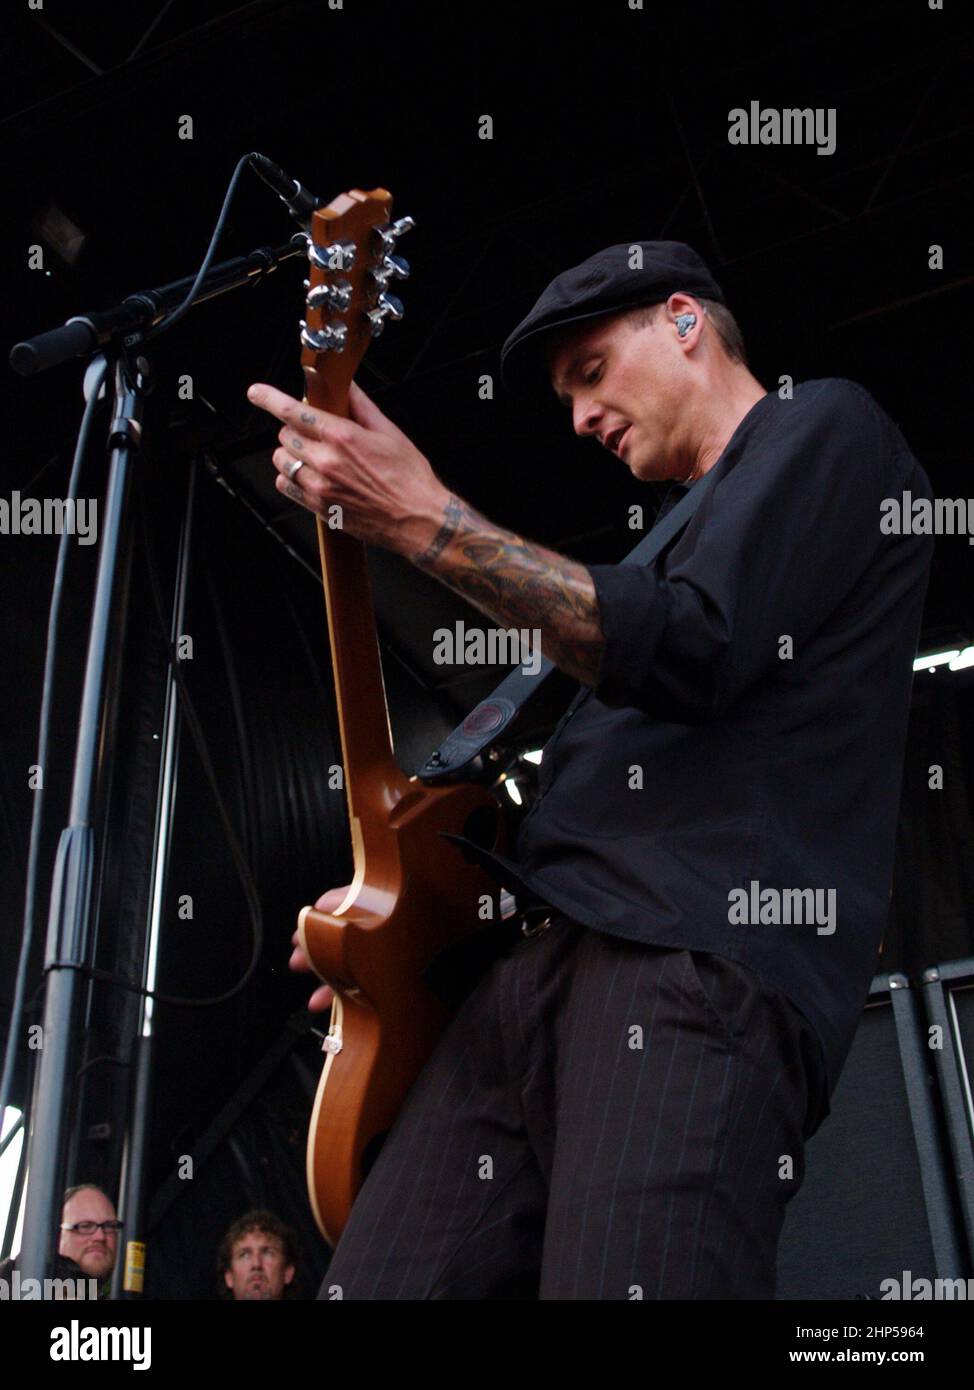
(746, 732)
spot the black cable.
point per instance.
(187, 303)
(188, 711)
(103, 1057)
(192, 721)
(9, 1137)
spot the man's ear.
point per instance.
(675, 304)
(228, 1278)
(289, 1274)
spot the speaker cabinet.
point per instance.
(881, 1195)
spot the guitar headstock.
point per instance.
(352, 252)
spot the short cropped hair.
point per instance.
(257, 1220)
(85, 1187)
(726, 326)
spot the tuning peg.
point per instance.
(329, 339)
(389, 235)
(392, 266)
(337, 255)
(336, 296)
(387, 307)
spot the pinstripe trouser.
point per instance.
(603, 1119)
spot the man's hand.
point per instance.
(390, 496)
(386, 489)
(324, 994)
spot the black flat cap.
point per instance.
(614, 279)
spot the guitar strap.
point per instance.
(487, 721)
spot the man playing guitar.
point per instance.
(619, 1108)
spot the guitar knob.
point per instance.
(388, 307)
(336, 296)
(389, 235)
(330, 339)
(337, 255)
(392, 266)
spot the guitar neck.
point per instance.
(363, 717)
(351, 262)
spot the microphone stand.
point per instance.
(121, 331)
(137, 313)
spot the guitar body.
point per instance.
(413, 901)
(413, 892)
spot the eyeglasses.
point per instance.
(88, 1228)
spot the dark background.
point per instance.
(609, 125)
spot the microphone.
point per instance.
(299, 202)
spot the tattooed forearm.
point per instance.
(446, 533)
(519, 584)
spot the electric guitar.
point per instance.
(413, 894)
